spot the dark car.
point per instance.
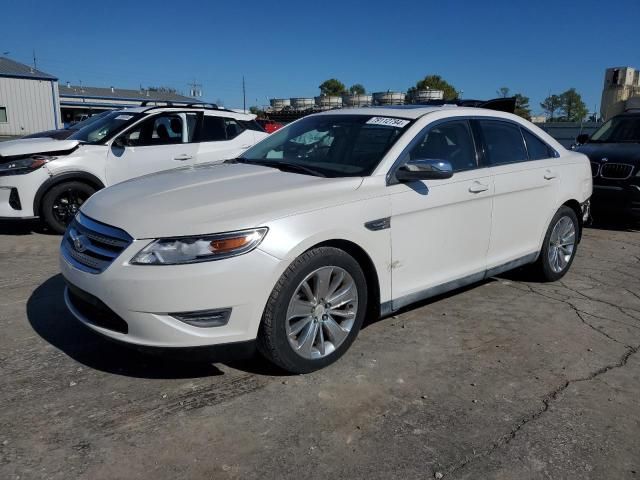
(614, 151)
(63, 133)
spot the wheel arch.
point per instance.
(574, 205)
(368, 267)
(61, 178)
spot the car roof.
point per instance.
(412, 112)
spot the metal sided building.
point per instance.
(78, 101)
(28, 99)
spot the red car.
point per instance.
(269, 126)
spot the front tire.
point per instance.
(314, 312)
(61, 203)
(559, 247)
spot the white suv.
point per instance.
(52, 178)
(337, 216)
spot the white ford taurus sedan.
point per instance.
(336, 217)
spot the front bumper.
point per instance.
(143, 298)
(619, 197)
(25, 188)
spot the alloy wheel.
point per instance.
(561, 244)
(322, 312)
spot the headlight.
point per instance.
(205, 248)
(24, 165)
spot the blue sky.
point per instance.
(287, 48)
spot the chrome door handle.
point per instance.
(245, 146)
(182, 158)
(549, 175)
(477, 187)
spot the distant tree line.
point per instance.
(564, 107)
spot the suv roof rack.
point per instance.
(167, 104)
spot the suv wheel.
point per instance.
(314, 312)
(61, 203)
(560, 245)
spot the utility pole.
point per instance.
(35, 65)
(244, 97)
(196, 89)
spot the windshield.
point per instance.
(88, 121)
(618, 130)
(332, 145)
(104, 128)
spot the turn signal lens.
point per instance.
(229, 244)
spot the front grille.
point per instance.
(595, 169)
(92, 246)
(616, 171)
(95, 311)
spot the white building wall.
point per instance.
(32, 105)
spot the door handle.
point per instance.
(182, 158)
(245, 146)
(477, 187)
(549, 175)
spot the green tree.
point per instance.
(162, 89)
(572, 106)
(256, 110)
(551, 105)
(332, 87)
(436, 82)
(357, 89)
(503, 92)
(522, 106)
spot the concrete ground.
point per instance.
(507, 379)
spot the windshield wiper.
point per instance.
(280, 165)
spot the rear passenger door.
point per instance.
(222, 138)
(526, 188)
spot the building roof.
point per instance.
(112, 93)
(11, 68)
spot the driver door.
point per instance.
(160, 142)
(440, 229)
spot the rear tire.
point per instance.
(301, 330)
(559, 247)
(61, 203)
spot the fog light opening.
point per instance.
(204, 318)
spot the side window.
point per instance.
(157, 130)
(212, 129)
(504, 142)
(537, 149)
(251, 125)
(450, 141)
(232, 127)
(3, 114)
(192, 121)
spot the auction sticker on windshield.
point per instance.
(388, 121)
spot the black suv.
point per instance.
(614, 151)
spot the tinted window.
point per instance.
(251, 125)
(618, 130)
(450, 141)
(212, 129)
(504, 142)
(105, 127)
(232, 127)
(537, 148)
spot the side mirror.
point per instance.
(120, 142)
(582, 139)
(424, 169)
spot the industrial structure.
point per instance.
(28, 99)
(32, 101)
(78, 101)
(621, 91)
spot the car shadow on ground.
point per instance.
(22, 227)
(49, 317)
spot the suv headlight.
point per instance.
(204, 248)
(24, 165)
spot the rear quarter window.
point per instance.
(538, 150)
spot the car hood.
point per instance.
(30, 146)
(613, 152)
(213, 198)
